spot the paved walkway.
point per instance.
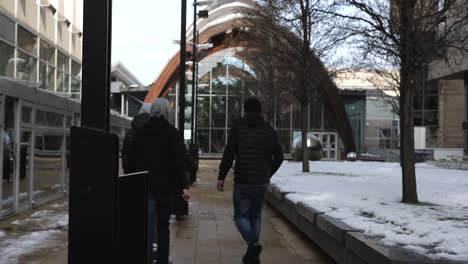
(206, 236)
(209, 235)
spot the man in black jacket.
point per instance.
(255, 147)
(158, 148)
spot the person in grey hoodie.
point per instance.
(159, 149)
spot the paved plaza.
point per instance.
(207, 235)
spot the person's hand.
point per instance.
(186, 194)
(220, 185)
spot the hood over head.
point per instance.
(140, 120)
(160, 108)
(145, 108)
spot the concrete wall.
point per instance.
(451, 114)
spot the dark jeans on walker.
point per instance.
(248, 205)
(159, 214)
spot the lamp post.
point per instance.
(201, 14)
(182, 68)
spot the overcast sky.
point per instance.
(143, 32)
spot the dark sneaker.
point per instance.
(247, 258)
(256, 250)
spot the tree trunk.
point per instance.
(407, 80)
(409, 188)
(304, 130)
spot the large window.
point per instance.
(6, 59)
(27, 41)
(426, 105)
(63, 73)
(7, 30)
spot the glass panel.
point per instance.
(27, 41)
(47, 165)
(6, 59)
(7, 201)
(203, 112)
(203, 139)
(431, 102)
(26, 67)
(47, 52)
(48, 119)
(24, 171)
(234, 109)
(218, 112)
(7, 30)
(26, 115)
(63, 82)
(218, 140)
(46, 76)
(235, 81)
(63, 62)
(76, 69)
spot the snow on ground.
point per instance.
(366, 196)
(47, 224)
(11, 249)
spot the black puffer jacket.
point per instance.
(159, 149)
(137, 122)
(256, 149)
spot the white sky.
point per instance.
(143, 32)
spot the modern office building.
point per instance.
(370, 102)
(40, 43)
(40, 91)
(225, 80)
(127, 92)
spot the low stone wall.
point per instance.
(341, 242)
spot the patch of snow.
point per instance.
(2, 234)
(59, 205)
(45, 219)
(366, 196)
(12, 249)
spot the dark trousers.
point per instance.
(158, 227)
(248, 205)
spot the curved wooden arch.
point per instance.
(218, 35)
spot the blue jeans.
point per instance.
(159, 214)
(248, 205)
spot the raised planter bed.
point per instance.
(341, 242)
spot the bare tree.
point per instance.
(290, 37)
(405, 35)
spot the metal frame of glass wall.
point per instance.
(34, 150)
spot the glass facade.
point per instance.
(355, 106)
(382, 131)
(225, 82)
(33, 59)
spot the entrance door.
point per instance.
(8, 170)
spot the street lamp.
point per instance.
(201, 14)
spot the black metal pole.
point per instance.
(182, 68)
(96, 64)
(194, 67)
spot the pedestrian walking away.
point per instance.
(254, 146)
(158, 148)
